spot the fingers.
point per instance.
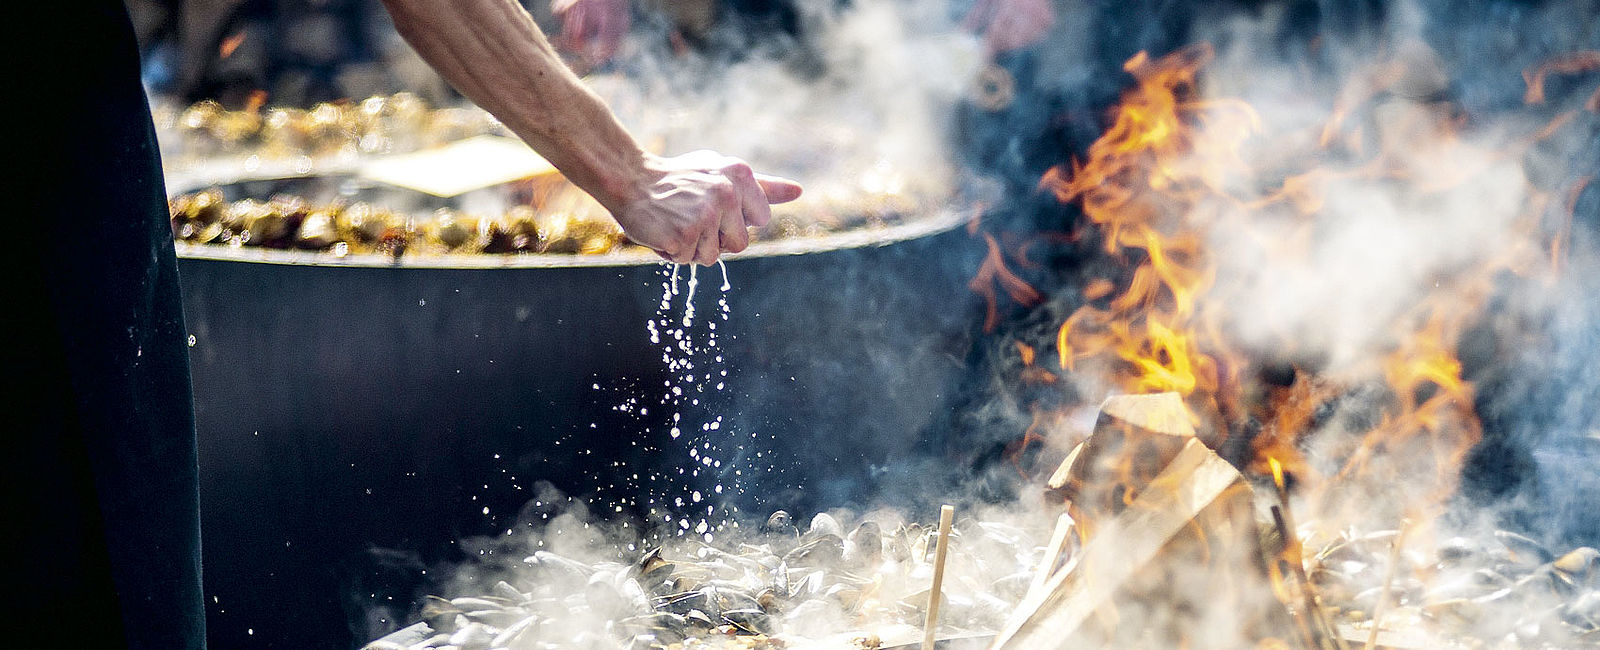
(752, 207)
(731, 230)
(777, 189)
(704, 206)
(680, 255)
(710, 247)
(756, 193)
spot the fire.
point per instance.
(1571, 63)
(1365, 431)
(230, 44)
(1148, 169)
(1170, 171)
(1433, 423)
(994, 272)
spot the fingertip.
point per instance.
(779, 190)
(735, 241)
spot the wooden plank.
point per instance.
(1191, 482)
(1134, 438)
(1163, 413)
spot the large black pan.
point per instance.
(357, 416)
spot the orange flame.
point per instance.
(231, 44)
(1162, 177)
(1143, 171)
(1570, 63)
(255, 101)
(1434, 423)
(993, 272)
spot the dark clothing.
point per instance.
(96, 399)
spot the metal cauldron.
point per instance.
(358, 416)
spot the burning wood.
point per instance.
(1172, 542)
(1174, 556)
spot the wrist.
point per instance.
(629, 182)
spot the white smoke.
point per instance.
(862, 106)
(1403, 203)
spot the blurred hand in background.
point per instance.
(1008, 25)
(592, 30)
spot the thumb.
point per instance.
(778, 190)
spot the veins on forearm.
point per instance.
(493, 53)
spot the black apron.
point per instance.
(96, 399)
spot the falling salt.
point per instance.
(687, 343)
(688, 303)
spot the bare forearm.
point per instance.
(493, 53)
(689, 208)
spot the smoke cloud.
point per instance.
(858, 105)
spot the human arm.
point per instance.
(688, 208)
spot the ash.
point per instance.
(839, 581)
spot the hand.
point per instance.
(592, 29)
(1008, 25)
(698, 205)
